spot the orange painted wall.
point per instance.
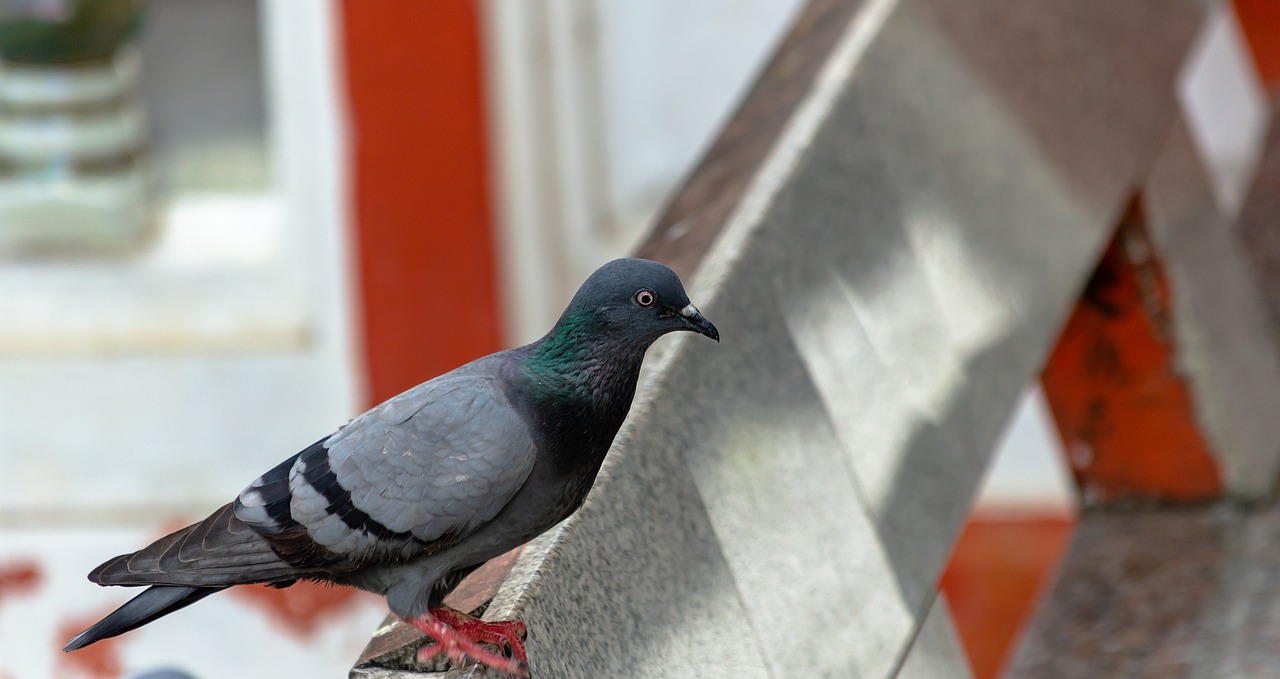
(1260, 22)
(1000, 569)
(420, 185)
(1121, 405)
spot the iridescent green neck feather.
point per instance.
(555, 361)
(578, 359)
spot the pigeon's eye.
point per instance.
(645, 298)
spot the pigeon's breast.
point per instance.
(547, 498)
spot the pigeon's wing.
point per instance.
(412, 476)
(219, 551)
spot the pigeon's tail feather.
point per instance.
(152, 603)
(216, 552)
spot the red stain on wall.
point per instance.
(19, 577)
(1120, 403)
(420, 185)
(99, 661)
(997, 574)
(301, 609)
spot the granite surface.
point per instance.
(887, 276)
(1162, 592)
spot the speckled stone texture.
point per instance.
(887, 282)
(1162, 593)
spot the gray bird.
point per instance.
(411, 496)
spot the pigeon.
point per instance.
(408, 498)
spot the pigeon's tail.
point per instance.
(153, 602)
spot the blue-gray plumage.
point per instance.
(415, 493)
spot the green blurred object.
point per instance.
(65, 31)
(74, 167)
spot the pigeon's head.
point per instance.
(642, 299)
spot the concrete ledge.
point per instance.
(1162, 592)
(888, 263)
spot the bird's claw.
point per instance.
(458, 636)
(459, 652)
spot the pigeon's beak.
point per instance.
(698, 323)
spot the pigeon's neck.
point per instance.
(583, 374)
(579, 360)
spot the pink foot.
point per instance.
(458, 636)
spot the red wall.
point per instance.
(420, 183)
(1260, 22)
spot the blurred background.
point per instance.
(227, 227)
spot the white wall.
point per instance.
(598, 109)
(140, 392)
